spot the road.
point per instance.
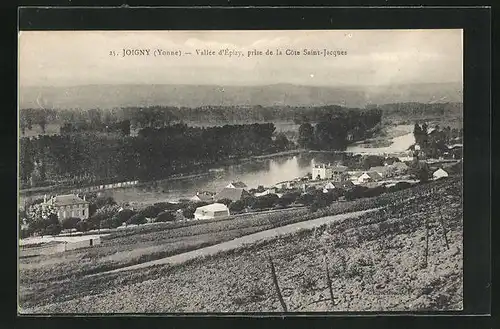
(242, 241)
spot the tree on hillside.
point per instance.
(150, 211)
(265, 201)
(420, 171)
(331, 135)
(137, 219)
(281, 142)
(123, 216)
(287, 199)
(417, 133)
(52, 225)
(372, 161)
(306, 135)
(237, 206)
(226, 201)
(305, 199)
(165, 216)
(82, 226)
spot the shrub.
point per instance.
(249, 201)
(165, 216)
(25, 232)
(321, 201)
(399, 186)
(356, 192)
(376, 191)
(188, 212)
(137, 219)
(288, 198)
(150, 211)
(237, 206)
(103, 216)
(124, 215)
(305, 199)
(52, 229)
(70, 223)
(82, 226)
(163, 206)
(265, 201)
(112, 222)
(51, 225)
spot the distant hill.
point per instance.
(110, 96)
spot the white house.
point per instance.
(440, 173)
(236, 185)
(214, 210)
(336, 173)
(329, 186)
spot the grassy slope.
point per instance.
(376, 263)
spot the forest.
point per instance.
(159, 116)
(334, 130)
(97, 145)
(88, 157)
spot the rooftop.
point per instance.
(238, 184)
(65, 200)
(213, 207)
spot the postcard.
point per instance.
(228, 172)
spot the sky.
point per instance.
(373, 57)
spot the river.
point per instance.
(265, 171)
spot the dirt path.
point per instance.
(244, 240)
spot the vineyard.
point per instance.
(406, 256)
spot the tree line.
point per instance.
(160, 116)
(335, 130)
(154, 153)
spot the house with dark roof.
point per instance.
(232, 193)
(69, 205)
(203, 196)
(237, 185)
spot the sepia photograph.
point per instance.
(237, 171)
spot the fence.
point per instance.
(57, 247)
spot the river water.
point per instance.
(266, 172)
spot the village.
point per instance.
(336, 181)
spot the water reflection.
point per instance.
(266, 172)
